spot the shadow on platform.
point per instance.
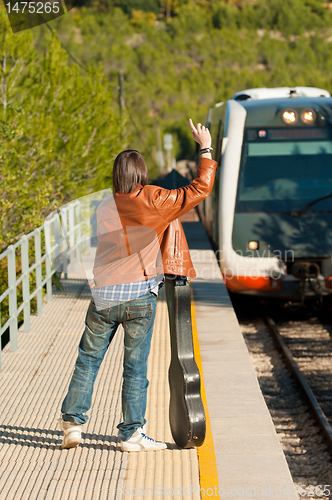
(50, 439)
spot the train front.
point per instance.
(275, 213)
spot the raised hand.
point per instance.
(200, 134)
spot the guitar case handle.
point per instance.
(186, 411)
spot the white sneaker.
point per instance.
(72, 434)
(140, 442)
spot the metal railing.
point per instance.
(50, 247)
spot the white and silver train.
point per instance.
(270, 212)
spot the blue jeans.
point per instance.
(137, 318)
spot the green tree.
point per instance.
(58, 131)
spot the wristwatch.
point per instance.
(206, 150)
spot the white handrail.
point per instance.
(55, 242)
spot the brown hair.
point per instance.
(129, 170)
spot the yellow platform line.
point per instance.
(206, 455)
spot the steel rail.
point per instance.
(313, 403)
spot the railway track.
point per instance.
(306, 445)
(301, 380)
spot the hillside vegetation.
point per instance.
(58, 131)
(179, 57)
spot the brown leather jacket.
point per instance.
(139, 234)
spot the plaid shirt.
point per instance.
(109, 296)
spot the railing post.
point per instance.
(25, 282)
(48, 246)
(64, 231)
(71, 226)
(79, 235)
(39, 272)
(12, 298)
(71, 216)
(57, 241)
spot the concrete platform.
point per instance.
(246, 456)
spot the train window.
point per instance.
(290, 148)
(281, 173)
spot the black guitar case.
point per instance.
(186, 411)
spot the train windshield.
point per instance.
(283, 170)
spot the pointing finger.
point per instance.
(192, 126)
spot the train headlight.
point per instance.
(253, 245)
(289, 116)
(308, 116)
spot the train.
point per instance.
(269, 215)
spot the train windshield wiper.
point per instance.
(303, 210)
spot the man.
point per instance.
(139, 238)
